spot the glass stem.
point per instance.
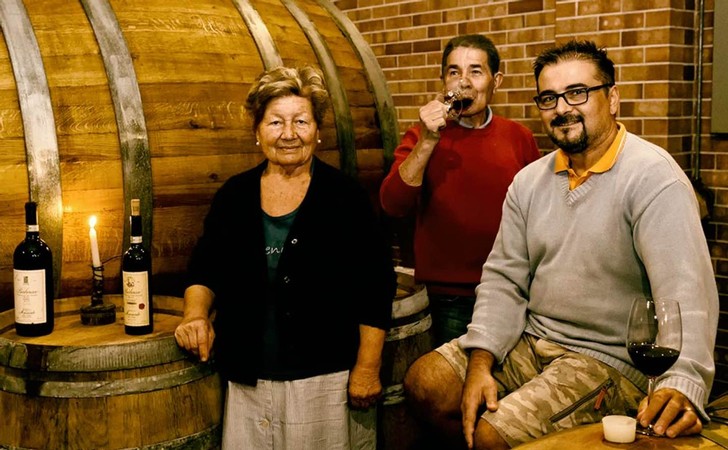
(650, 390)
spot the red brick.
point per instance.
(546, 18)
(398, 49)
(526, 35)
(346, 4)
(427, 19)
(447, 30)
(415, 7)
(507, 23)
(412, 34)
(383, 37)
(598, 7)
(633, 125)
(475, 27)
(524, 6)
(370, 25)
(579, 25)
(385, 11)
(457, 15)
(640, 5)
(491, 10)
(366, 3)
(398, 22)
(426, 46)
(646, 37)
(564, 10)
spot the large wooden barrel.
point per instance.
(94, 387)
(409, 338)
(102, 101)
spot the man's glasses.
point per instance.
(572, 97)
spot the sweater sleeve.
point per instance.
(499, 316)
(669, 239)
(397, 197)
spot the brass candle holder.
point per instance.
(98, 312)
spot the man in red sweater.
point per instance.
(453, 170)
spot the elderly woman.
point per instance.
(294, 263)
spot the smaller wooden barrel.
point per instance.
(94, 387)
(407, 339)
(591, 437)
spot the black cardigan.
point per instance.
(335, 273)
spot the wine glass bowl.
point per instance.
(654, 339)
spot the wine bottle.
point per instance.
(33, 280)
(136, 278)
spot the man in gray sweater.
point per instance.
(606, 218)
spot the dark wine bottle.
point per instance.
(33, 280)
(136, 269)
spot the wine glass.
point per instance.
(654, 340)
(456, 99)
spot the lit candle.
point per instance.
(95, 259)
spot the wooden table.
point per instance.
(590, 437)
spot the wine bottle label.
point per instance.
(135, 239)
(30, 300)
(136, 298)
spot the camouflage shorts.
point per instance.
(543, 387)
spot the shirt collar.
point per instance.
(488, 118)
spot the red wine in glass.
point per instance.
(652, 360)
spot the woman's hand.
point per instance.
(365, 387)
(196, 335)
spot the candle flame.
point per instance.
(92, 221)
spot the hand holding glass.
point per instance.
(654, 340)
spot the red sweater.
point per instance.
(460, 202)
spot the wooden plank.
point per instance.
(133, 139)
(263, 40)
(386, 111)
(44, 172)
(337, 94)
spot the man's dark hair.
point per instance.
(577, 50)
(472, 41)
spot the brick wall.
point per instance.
(653, 42)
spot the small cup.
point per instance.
(619, 429)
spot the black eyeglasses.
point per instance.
(572, 97)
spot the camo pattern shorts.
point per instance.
(543, 388)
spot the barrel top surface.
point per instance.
(69, 331)
(73, 346)
(591, 437)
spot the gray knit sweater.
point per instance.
(566, 265)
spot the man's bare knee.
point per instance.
(487, 438)
(432, 387)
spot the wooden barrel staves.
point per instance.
(407, 339)
(107, 100)
(96, 388)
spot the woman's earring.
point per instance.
(257, 143)
(319, 141)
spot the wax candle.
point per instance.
(95, 259)
(619, 429)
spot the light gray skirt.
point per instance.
(307, 414)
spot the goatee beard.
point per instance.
(571, 147)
